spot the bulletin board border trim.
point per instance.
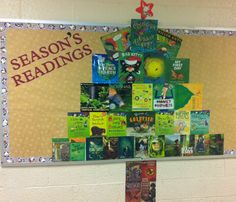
(6, 158)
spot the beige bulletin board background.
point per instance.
(37, 109)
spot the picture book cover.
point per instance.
(60, 149)
(199, 122)
(154, 68)
(77, 149)
(131, 67)
(182, 122)
(201, 145)
(143, 35)
(164, 123)
(104, 70)
(133, 171)
(177, 70)
(133, 192)
(163, 97)
(172, 145)
(94, 97)
(168, 44)
(142, 97)
(98, 124)
(126, 147)
(140, 123)
(94, 148)
(116, 124)
(110, 145)
(141, 147)
(78, 124)
(120, 97)
(187, 145)
(156, 147)
(216, 146)
(188, 96)
(116, 42)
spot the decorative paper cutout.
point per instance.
(145, 9)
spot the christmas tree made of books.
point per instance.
(140, 103)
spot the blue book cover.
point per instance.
(104, 70)
(199, 122)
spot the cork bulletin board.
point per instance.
(43, 64)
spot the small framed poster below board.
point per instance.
(46, 65)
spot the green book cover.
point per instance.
(143, 35)
(141, 147)
(199, 122)
(168, 44)
(77, 149)
(182, 122)
(177, 70)
(78, 124)
(142, 97)
(94, 97)
(98, 124)
(140, 123)
(94, 148)
(163, 97)
(164, 123)
(131, 67)
(201, 144)
(216, 146)
(116, 124)
(172, 145)
(126, 147)
(116, 42)
(187, 145)
(60, 149)
(156, 147)
(120, 97)
(110, 145)
(188, 96)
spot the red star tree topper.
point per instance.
(145, 9)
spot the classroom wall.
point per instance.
(189, 180)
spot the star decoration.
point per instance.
(145, 9)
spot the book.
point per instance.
(188, 96)
(200, 121)
(164, 124)
(156, 147)
(168, 44)
(60, 149)
(216, 146)
(163, 97)
(77, 149)
(110, 145)
(120, 97)
(142, 97)
(182, 122)
(116, 42)
(141, 147)
(131, 67)
(94, 148)
(78, 124)
(133, 192)
(126, 147)
(143, 35)
(140, 123)
(116, 124)
(201, 144)
(177, 70)
(172, 145)
(104, 70)
(187, 145)
(154, 68)
(94, 97)
(133, 172)
(98, 124)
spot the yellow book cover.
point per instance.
(98, 124)
(182, 122)
(188, 96)
(141, 97)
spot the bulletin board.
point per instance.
(43, 64)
